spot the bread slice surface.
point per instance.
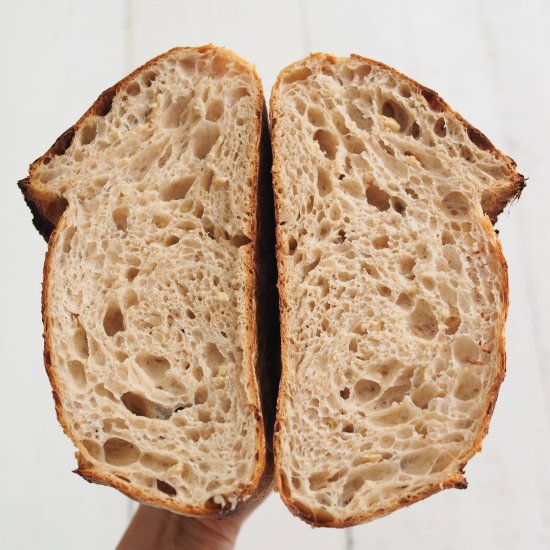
(393, 288)
(149, 297)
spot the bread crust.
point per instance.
(496, 206)
(263, 477)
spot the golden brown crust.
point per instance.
(492, 209)
(262, 481)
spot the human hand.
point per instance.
(153, 528)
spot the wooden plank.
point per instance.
(58, 60)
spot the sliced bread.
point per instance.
(393, 288)
(155, 220)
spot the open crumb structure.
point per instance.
(393, 288)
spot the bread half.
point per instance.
(150, 283)
(393, 288)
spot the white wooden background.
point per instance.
(490, 59)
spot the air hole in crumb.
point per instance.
(452, 323)
(77, 372)
(363, 70)
(415, 130)
(214, 110)
(350, 489)
(327, 142)
(351, 187)
(154, 366)
(352, 346)
(157, 462)
(176, 190)
(394, 110)
(149, 78)
(120, 452)
(324, 183)
(141, 406)
(133, 88)
(411, 192)
(55, 209)
(404, 300)
(441, 463)
(406, 266)
(167, 153)
(422, 396)
(456, 204)
(175, 112)
(225, 404)
(371, 270)
(161, 220)
(383, 291)
(204, 416)
(120, 217)
(299, 74)
(132, 273)
(428, 282)
(479, 139)
(418, 462)
(422, 321)
(362, 122)
(171, 240)
(193, 434)
(166, 488)
(387, 148)
(113, 321)
(235, 95)
(213, 356)
(466, 153)
(404, 90)
(447, 238)
(434, 101)
(300, 105)
(344, 394)
(292, 244)
(80, 342)
(205, 136)
(239, 240)
(93, 448)
(88, 133)
(366, 390)
(316, 117)
(378, 197)
(381, 242)
(307, 268)
(468, 387)
(201, 395)
(399, 205)
(354, 144)
(68, 238)
(465, 350)
(440, 128)
(198, 210)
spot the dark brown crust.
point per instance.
(262, 480)
(496, 206)
(43, 226)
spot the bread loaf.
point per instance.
(393, 288)
(150, 288)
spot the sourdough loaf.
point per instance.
(393, 288)
(151, 205)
